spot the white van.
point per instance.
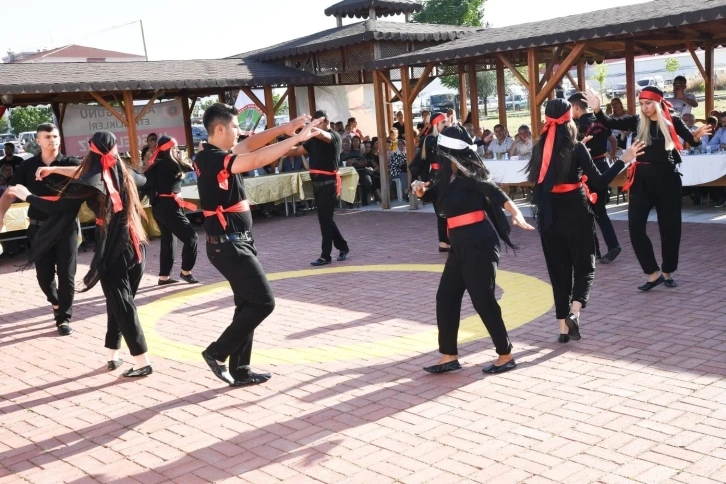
(655, 81)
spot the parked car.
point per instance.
(618, 90)
(199, 134)
(517, 102)
(656, 81)
(5, 137)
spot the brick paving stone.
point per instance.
(642, 398)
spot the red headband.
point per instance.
(549, 130)
(437, 119)
(166, 146)
(108, 161)
(654, 96)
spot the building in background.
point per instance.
(71, 53)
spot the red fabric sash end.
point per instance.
(569, 187)
(338, 179)
(179, 200)
(108, 161)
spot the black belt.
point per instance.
(237, 236)
(322, 184)
(36, 222)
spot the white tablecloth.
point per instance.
(696, 169)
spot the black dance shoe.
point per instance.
(670, 283)
(113, 364)
(167, 282)
(573, 324)
(64, 329)
(144, 371)
(492, 369)
(343, 255)
(220, 371)
(190, 279)
(611, 255)
(444, 249)
(444, 367)
(564, 338)
(320, 262)
(249, 377)
(650, 285)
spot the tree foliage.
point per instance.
(202, 105)
(672, 65)
(28, 118)
(486, 84)
(451, 12)
(601, 75)
(4, 126)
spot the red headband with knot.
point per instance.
(108, 161)
(437, 119)
(549, 130)
(166, 146)
(654, 96)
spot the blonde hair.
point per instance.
(663, 125)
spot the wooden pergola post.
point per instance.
(501, 94)
(221, 97)
(407, 100)
(474, 95)
(534, 107)
(291, 102)
(311, 99)
(269, 107)
(389, 108)
(581, 77)
(131, 126)
(378, 89)
(186, 113)
(709, 80)
(563, 70)
(630, 75)
(463, 111)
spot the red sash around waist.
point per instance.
(338, 180)
(179, 200)
(599, 156)
(51, 198)
(466, 219)
(435, 166)
(630, 174)
(569, 187)
(243, 206)
(99, 222)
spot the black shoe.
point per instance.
(564, 338)
(220, 371)
(510, 365)
(113, 364)
(444, 249)
(64, 329)
(650, 285)
(573, 324)
(343, 255)
(189, 279)
(249, 377)
(145, 371)
(670, 283)
(168, 281)
(611, 255)
(443, 368)
(320, 262)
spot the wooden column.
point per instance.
(269, 107)
(221, 97)
(474, 95)
(187, 125)
(291, 103)
(407, 100)
(630, 75)
(131, 126)
(581, 76)
(311, 99)
(463, 111)
(389, 107)
(708, 64)
(59, 110)
(378, 89)
(501, 94)
(534, 108)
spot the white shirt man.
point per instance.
(682, 102)
(502, 142)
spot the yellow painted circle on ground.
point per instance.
(525, 298)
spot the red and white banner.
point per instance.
(82, 120)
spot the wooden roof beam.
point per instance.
(551, 65)
(148, 105)
(108, 107)
(514, 70)
(563, 69)
(423, 81)
(386, 78)
(704, 74)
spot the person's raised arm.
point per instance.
(626, 123)
(263, 138)
(692, 138)
(324, 136)
(264, 156)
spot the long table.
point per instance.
(697, 170)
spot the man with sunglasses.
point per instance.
(682, 102)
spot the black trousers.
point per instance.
(569, 250)
(119, 282)
(325, 199)
(656, 186)
(60, 260)
(366, 185)
(601, 214)
(441, 226)
(173, 225)
(253, 301)
(471, 266)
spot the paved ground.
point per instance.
(642, 398)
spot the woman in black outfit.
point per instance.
(560, 167)
(653, 180)
(467, 196)
(110, 190)
(164, 172)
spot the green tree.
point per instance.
(28, 118)
(601, 75)
(672, 65)
(451, 12)
(276, 99)
(486, 83)
(202, 105)
(4, 126)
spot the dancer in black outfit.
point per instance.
(425, 167)
(61, 259)
(227, 220)
(562, 170)
(598, 137)
(653, 180)
(110, 190)
(468, 197)
(164, 172)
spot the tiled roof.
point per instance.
(360, 8)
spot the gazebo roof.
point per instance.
(601, 26)
(361, 8)
(356, 33)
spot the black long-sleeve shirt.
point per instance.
(655, 152)
(584, 165)
(164, 176)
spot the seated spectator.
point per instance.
(354, 128)
(7, 171)
(522, 146)
(374, 169)
(10, 158)
(397, 166)
(690, 121)
(3, 184)
(713, 121)
(500, 144)
(718, 137)
(393, 135)
(399, 125)
(292, 163)
(347, 133)
(359, 161)
(345, 147)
